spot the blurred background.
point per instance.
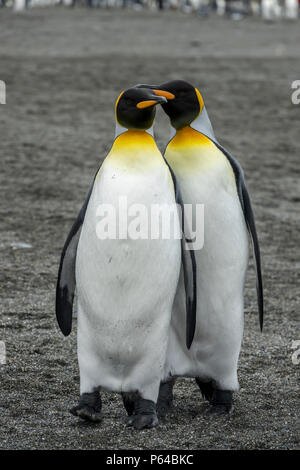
(64, 64)
(237, 9)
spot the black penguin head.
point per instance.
(135, 108)
(185, 104)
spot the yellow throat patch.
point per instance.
(135, 148)
(190, 151)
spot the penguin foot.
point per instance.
(86, 413)
(218, 410)
(165, 398)
(89, 407)
(144, 416)
(221, 403)
(206, 389)
(143, 421)
(128, 402)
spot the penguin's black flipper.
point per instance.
(249, 218)
(189, 266)
(66, 281)
(190, 283)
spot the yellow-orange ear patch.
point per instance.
(117, 104)
(200, 99)
(146, 104)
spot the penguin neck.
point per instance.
(121, 130)
(188, 138)
(201, 125)
(134, 138)
(134, 148)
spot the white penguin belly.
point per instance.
(221, 270)
(126, 289)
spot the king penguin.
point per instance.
(125, 287)
(209, 175)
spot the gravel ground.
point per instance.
(63, 71)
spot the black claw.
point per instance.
(145, 421)
(129, 421)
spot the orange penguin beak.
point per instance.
(156, 99)
(146, 104)
(166, 94)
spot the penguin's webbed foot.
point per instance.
(165, 398)
(144, 416)
(89, 407)
(221, 403)
(143, 421)
(87, 413)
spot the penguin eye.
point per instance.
(129, 101)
